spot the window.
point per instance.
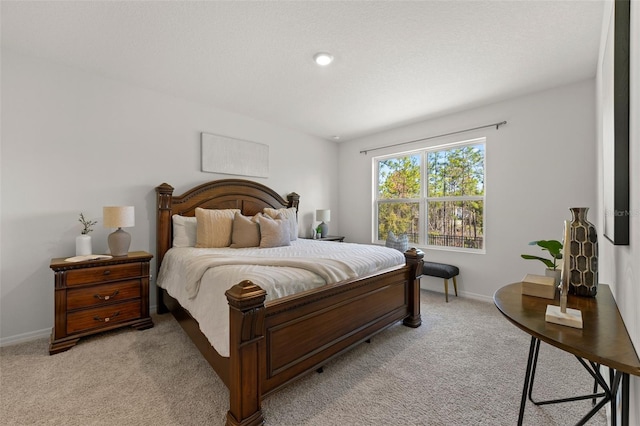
(436, 196)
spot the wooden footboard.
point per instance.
(275, 343)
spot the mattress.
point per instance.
(208, 305)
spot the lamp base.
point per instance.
(571, 318)
(119, 242)
(324, 230)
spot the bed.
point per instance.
(273, 342)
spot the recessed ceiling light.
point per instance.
(323, 58)
(335, 137)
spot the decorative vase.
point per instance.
(555, 273)
(83, 245)
(583, 254)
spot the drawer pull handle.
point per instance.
(107, 272)
(115, 293)
(106, 319)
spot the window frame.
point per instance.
(424, 198)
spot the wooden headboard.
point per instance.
(248, 196)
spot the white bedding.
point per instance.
(209, 305)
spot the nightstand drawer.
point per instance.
(102, 317)
(103, 273)
(104, 294)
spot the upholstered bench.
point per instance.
(442, 270)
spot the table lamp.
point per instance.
(323, 216)
(118, 217)
(561, 314)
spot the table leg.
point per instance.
(527, 377)
(614, 413)
(608, 394)
(593, 371)
(625, 399)
(609, 391)
(532, 377)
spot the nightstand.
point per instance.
(98, 295)
(339, 238)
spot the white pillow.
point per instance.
(214, 227)
(184, 231)
(290, 214)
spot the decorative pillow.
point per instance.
(274, 232)
(245, 231)
(214, 227)
(184, 231)
(401, 242)
(290, 214)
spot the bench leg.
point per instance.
(446, 290)
(455, 286)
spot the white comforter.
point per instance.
(198, 278)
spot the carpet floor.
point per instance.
(464, 366)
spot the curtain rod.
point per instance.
(433, 137)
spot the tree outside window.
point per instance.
(435, 196)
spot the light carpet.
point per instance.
(464, 366)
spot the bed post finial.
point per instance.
(294, 199)
(415, 260)
(164, 195)
(246, 325)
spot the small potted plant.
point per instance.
(554, 248)
(83, 241)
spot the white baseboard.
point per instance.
(25, 337)
(439, 288)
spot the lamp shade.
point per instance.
(323, 215)
(118, 216)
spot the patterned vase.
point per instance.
(583, 257)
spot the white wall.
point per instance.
(541, 163)
(619, 266)
(530, 185)
(63, 129)
(74, 142)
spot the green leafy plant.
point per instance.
(554, 248)
(87, 224)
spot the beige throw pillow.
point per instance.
(214, 227)
(245, 231)
(274, 232)
(290, 214)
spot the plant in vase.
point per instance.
(554, 248)
(83, 241)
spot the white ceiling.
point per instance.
(396, 62)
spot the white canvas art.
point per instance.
(222, 154)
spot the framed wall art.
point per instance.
(222, 154)
(615, 126)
